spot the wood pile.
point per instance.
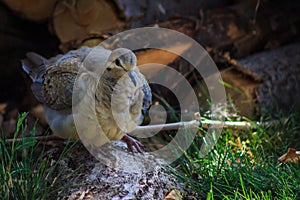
(76, 21)
(227, 31)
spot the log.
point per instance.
(82, 22)
(249, 27)
(267, 81)
(74, 21)
(116, 174)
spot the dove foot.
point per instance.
(132, 143)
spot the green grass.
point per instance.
(26, 170)
(243, 164)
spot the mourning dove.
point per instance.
(121, 93)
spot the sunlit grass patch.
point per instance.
(243, 164)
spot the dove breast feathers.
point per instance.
(111, 78)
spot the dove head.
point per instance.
(122, 61)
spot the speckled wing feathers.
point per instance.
(58, 86)
(53, 79)
(147, 100)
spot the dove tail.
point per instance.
(35, 66)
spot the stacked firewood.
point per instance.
(87, 22)
(227, 31)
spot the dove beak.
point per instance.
(132, 76)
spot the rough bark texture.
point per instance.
(280, 71)
(272, 79)
(132, 178)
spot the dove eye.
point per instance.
(118, 62)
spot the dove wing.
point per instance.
(59, 79)
(147, 100)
